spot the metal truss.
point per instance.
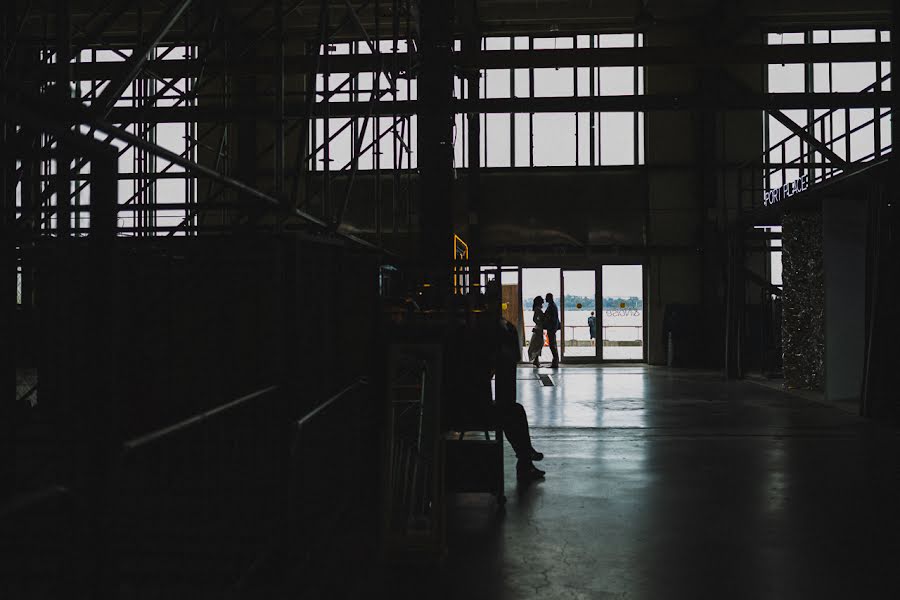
(156, 81)
(84, 72)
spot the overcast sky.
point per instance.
(619, 281)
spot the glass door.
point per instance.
(537, 282)
(622, 320)
(578, 314)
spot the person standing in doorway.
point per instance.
(551, 326)
(592, 328)
(536, 345)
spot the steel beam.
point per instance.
(696, 56)
(523, 59)
(646, 102)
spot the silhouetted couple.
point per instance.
(546, 321)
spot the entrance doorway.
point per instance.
(537, 282)
(601, 311)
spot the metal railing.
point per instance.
(604, 329)
(323, 489)
(208, 485)
(208, 501)
(198, 419)
(792, 158)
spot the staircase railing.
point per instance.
(792, 160)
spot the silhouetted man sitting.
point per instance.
(478, 349)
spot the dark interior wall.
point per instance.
(398, 210)
(692, 160)
(803, 320)
(202, 321)
(844, 222)
(546, 206)
(541, 206)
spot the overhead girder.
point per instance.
(519, 59)
(570, 104)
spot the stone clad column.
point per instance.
(803, 320)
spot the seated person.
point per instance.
(480, 346)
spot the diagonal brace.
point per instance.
(138, 59)
(792, 126)
(807, 137)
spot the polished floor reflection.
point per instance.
(667, 484)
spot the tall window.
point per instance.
(507, 140)
(558, 139)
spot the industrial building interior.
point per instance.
(269, 271)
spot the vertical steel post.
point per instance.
(879, 399)
(8, 335)
(327, 215)
(472, 45)
(395, 147)
(63, 160)
(435, 120)
(279, 100)
(96, 396)
(892, 409)
(376, 127)
(714, 227)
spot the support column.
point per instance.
(7, 292)
(96, 395)
(714, 221)
(471, 44)
(879, 398)
(63, 81)
(246, 167)
(279, 100)
(735, 297)
(435, 119)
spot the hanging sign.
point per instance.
(778, 194)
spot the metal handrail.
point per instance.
(311, 414)
(26, 500)
(802, 162)
(788, 165)
(170, 430)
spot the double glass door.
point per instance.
(602, 313)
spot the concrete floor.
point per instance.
(669, 484)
